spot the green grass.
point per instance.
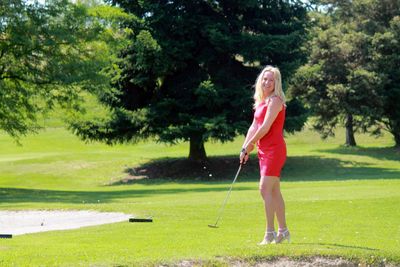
(340, 202)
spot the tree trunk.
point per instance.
(197, 151)
(350, 141)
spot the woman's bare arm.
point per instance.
(250, 133)
(274, 108)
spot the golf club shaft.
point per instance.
(221, 210)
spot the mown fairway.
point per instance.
(340, 202)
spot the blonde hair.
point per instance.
(259, 96)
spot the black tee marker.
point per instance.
(140, 220)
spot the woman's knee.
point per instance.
(264, 194)
(265, 186)
(276, 191)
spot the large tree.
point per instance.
(386, 47)
(189, 72)
(351, 77)
(338, 83)
(49, 53)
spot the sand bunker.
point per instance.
(24, 222)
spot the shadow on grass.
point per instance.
(312, 168)
(19, 195)
(182, 170)
(339, 245)
(217, 169)
(382, 153)
(223, 169)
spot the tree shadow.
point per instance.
(222, 169)
(313, 168)
(182, 170)
(382, 153)
(339, 245)
(19, 195)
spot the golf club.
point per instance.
(221, 210)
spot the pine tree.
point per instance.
(338, 83)
(189, 72)
(352, 76)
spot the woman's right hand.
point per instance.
(244, 153)
(244, 157)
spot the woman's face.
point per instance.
(268, 83)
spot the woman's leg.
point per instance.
(267, 183)
(279, 205)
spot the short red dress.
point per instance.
(271, 147)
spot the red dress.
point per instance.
(271, 147)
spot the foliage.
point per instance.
(346, 80)
(49, 53)
(189, 72)
(386, 47)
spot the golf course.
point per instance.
(199, 133)
(341, 202)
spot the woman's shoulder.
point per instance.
(276, 102)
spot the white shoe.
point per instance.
(282, 236)
(269, 238)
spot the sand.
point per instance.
(34, 221)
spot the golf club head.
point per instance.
(212, 226)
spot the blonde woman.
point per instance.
(267, 132)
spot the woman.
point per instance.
(267, 131)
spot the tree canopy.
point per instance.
(349, 78)
(386, 47)
(49, 53)
(189, 72)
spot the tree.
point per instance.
(351, 76)
(386, 46)
(189, 72)
(338, 82)
(49, 53)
